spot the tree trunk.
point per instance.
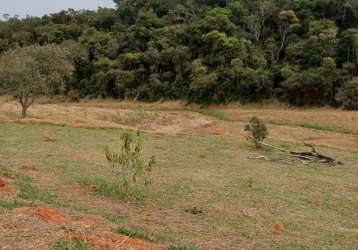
(25, 104)
(23, 112)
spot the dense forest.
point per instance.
(303, 52)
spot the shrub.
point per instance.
(257, 131)
(79, 244)
(348, 94)
(129, 162)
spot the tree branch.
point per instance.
(305, 157)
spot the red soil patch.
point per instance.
(316, 200)
(46, 137)
(2, 183)
(278, 228)
(46, 214)
(217, 131)
(105, 240)
(4, 186)
(28, 166)
(92, 186)
(50, 216)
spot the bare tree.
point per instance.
(287, 22)
(256, 21)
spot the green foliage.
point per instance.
(201, 51)
(28, 191)
(31, 71)
(115, 218)
(257, 131)
(11, 204)
(217, 114)
(104, 188)
(138, 233)
(181, 247)
(310, 87)
(348, 94)
(129, 163)
(70, 245)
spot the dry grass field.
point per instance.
(58, 192)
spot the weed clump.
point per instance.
(257, 131)
(78, 244)
(129, 162)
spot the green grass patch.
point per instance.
(112, 190)
(214, 113)
(115, 218)
(11, 204)
(134, 233)
(7, 172)
(30, 192)
(181, 247)
(135, 118)
(314, 127)
(139, 233)
(70, 245)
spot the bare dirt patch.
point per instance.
(39, 228)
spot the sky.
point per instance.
(42, 7)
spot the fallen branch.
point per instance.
(261, 157)
(267, 145)
(274, 160)
(305, 157)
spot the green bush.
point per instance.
(257, 131)
(348, 94)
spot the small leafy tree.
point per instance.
(32, 71)
(129, 162)
(257, 131)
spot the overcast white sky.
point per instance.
(41, 7)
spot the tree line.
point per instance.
(303, 52)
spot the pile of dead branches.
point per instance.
(306, 157)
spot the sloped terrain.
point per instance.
(58, 192)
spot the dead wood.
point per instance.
(306, 157)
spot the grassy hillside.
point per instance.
(205, 193)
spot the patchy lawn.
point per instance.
(206, 193)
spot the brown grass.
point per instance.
(246, 204)
(91, 117)
(321, 116)
(287, 124)
(39, 228)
